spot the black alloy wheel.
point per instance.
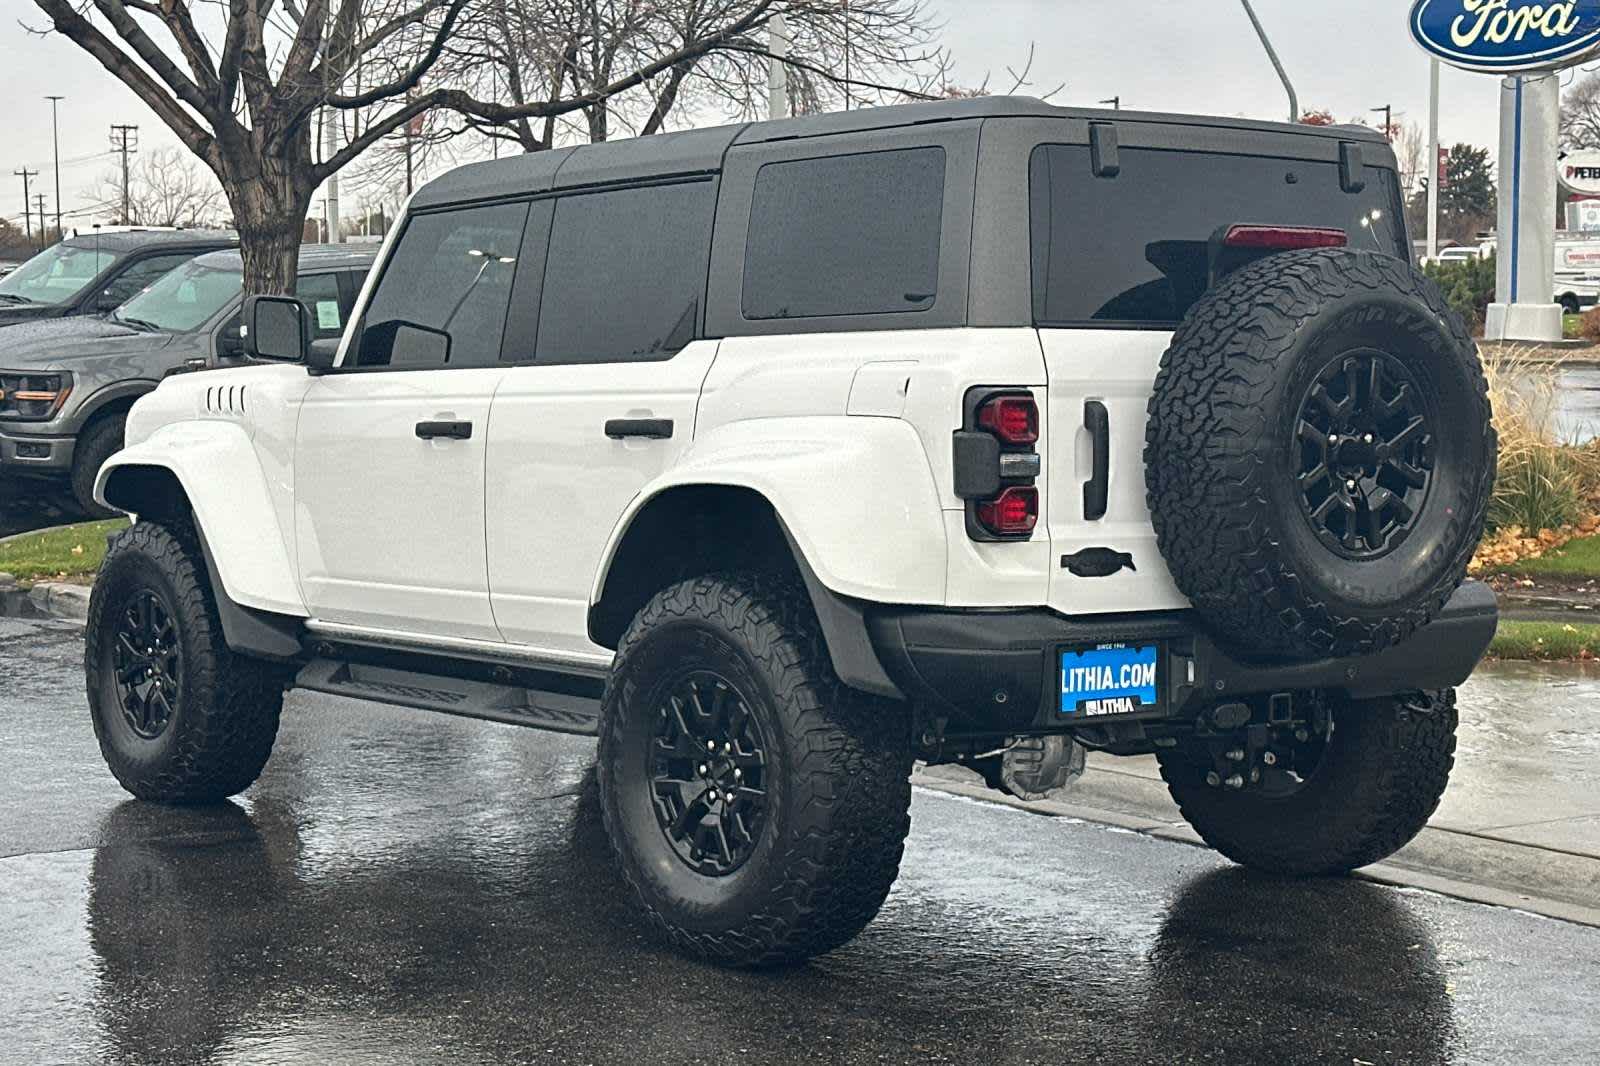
(708, 770)
(148, 660)
(1365, 435)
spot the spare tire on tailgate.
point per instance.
(1319, 455)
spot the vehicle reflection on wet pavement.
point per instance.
(408, 888)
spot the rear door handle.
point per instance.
(651, 428)
(447, 430)
(1098, 487)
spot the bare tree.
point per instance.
(1410, 149)
(166, 188)
(1580, 114)
(240, 86)
(528, 54)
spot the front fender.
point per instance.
(856, 494)
(217, 467)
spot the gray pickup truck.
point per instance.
(66, 384)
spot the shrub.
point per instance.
(1589, 325)
(1468, 286)
(1542, 483)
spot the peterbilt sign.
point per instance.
(1507, 36)
(1579, 172)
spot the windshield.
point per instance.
(183, 299)
(55, 275)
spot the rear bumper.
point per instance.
(997, 669)
(22, 452)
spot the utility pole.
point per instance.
(778, 67)
(1277, 64)
(1433, 161)
(27, 201)
(1115, 102)
(330, 148)
(121, 136)
(38, 198)
(55, 139)
(1388, 120)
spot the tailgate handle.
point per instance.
(1098, 487)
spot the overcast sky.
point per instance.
(1166, 55)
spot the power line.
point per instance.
(124, 141)
(27, 217)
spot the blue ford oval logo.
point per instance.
(1507, 36)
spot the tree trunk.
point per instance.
(270, 194)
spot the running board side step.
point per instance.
(558, 712)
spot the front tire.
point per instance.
(801, 857)
(180, 718)
(103, 439)
(1376, 782)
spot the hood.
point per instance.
(11, 313)
(60, 342)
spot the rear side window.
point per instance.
(625, 273)
(1134, 249)
(845, 235)
(452, 271)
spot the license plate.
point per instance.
(1109, 680)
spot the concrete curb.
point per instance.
(1541, 881)
(60, 599)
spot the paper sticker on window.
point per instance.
(328, 314)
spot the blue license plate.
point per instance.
(1111, 679)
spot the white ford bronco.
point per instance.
(779, 456)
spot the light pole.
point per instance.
(1115, 102)
(55, 137)
(1272, 54)
(1433, 160)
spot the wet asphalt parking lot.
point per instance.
(407, 888)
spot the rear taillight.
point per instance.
(1013, 513)
(996, 466)
(1014, 419)
(1284, 238)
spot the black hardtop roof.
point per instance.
(702, 150)
(312, 257)
(139, 239)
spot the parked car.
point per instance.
(780, 455)
(66, 385)
(94, 274)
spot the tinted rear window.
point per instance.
(1133, 249)
(845, 235)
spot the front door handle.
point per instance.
(651, 428)
(1096, 490)
(447, 430)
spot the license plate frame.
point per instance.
(1091, 695)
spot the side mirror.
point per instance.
(230, 340)
(275, 327)
(107, 301)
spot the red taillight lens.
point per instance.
(1012, 513)
(1014, 419)
(1285, 238)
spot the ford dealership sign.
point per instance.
(1507, 36)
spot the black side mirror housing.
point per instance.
(276, 328)
(107, 302)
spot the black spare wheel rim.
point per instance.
(708, 772)
(147, 662)
(1365, 437)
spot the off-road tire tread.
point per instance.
(1208, 502)
(852, 778)
(231, 703)
(1396, 764)
(90, 454)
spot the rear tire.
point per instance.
(180, 718)
(1380, 779)
(103, 439)
(804, 856)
